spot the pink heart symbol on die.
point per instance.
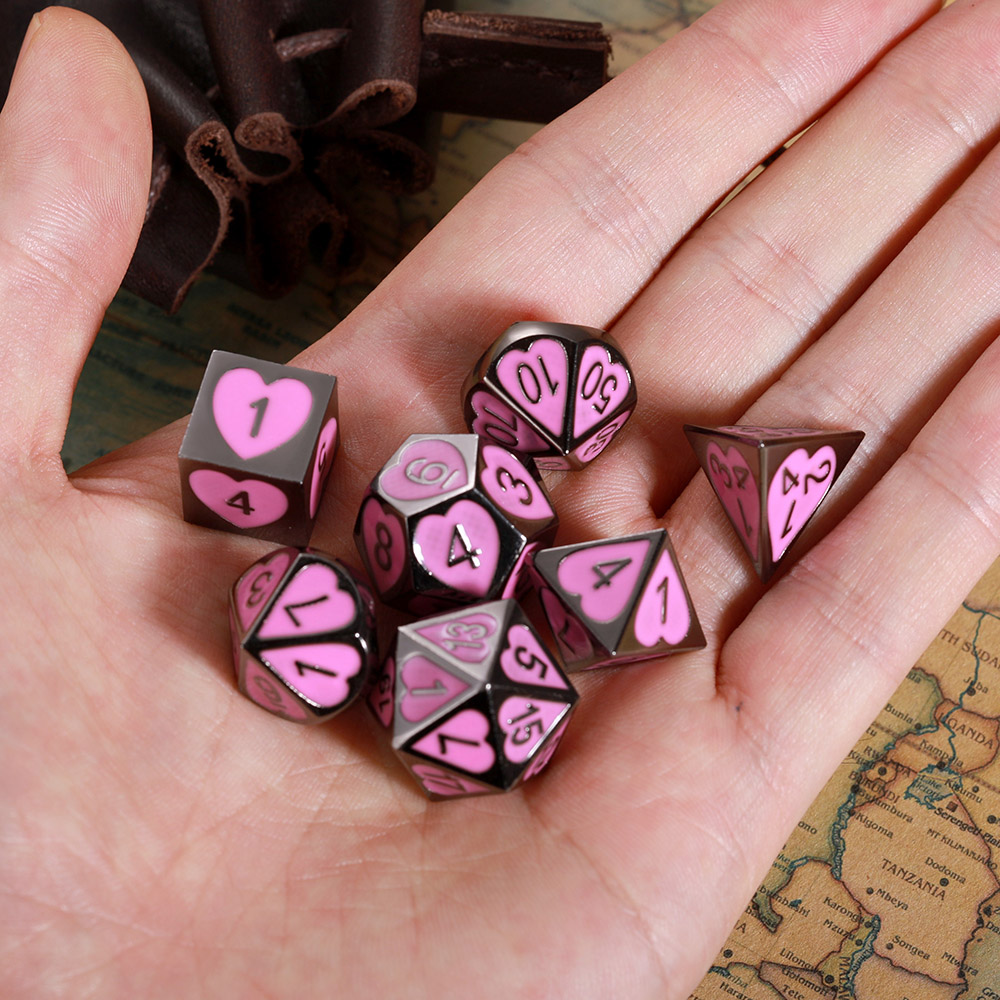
(313, 602)
(427, 469)
(735, 485)
(604, 577)
(260, 687)
(524, 722)
(382, 694)
(246, 503)
(428, 687)
(461, 547)
(461, 741)
(255, 417)
(795, 491)
(319, 671)
(494, 419)
(542, 760)
(325, 448)
(571, 636)
(440, 782)
(663, 614)
(525, 661)
(602, 386)
(513, 488)
(536, 380)
(254, 588)
(465, 637)
(384, 545)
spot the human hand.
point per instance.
(162, 837)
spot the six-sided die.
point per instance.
(258, 448)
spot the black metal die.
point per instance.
(259, 447)
(617, 600)
(555, 391)
(451, 519)
(770, 481)
(303, 631)
(479, 704)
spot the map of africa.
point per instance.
(888, 888)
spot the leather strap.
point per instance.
(266, 111)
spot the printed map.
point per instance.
(888, 888)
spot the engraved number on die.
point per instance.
(605, 571)
(530, 730)
(790, 481)
(537, 390)
(460, 548)
(383, 545)
(598, 386)
(429, 472)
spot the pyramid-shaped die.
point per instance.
(475, 701)
(303, 631)
(771, 480)
(616, 600)
(555, 391)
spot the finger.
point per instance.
(759, 281)
(581, 217)
(835, 636)
(936, 502)
(74, 175)
(851, 616)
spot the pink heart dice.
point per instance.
(554, 391)
(303, 631)
(451, 519)
(616, 600)
(478, 704)
(770, 481)
(259, 447)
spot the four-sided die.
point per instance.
(451, 519)
(771, 480)
(303, 630)
(616, 600)
(475, 702)
(555, 391)
(259, 447)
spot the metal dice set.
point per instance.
(456, 527)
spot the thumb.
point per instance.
(75, 153)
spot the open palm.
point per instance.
(160, 836)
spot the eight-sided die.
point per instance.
(616, 600)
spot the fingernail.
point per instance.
(33, 25)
